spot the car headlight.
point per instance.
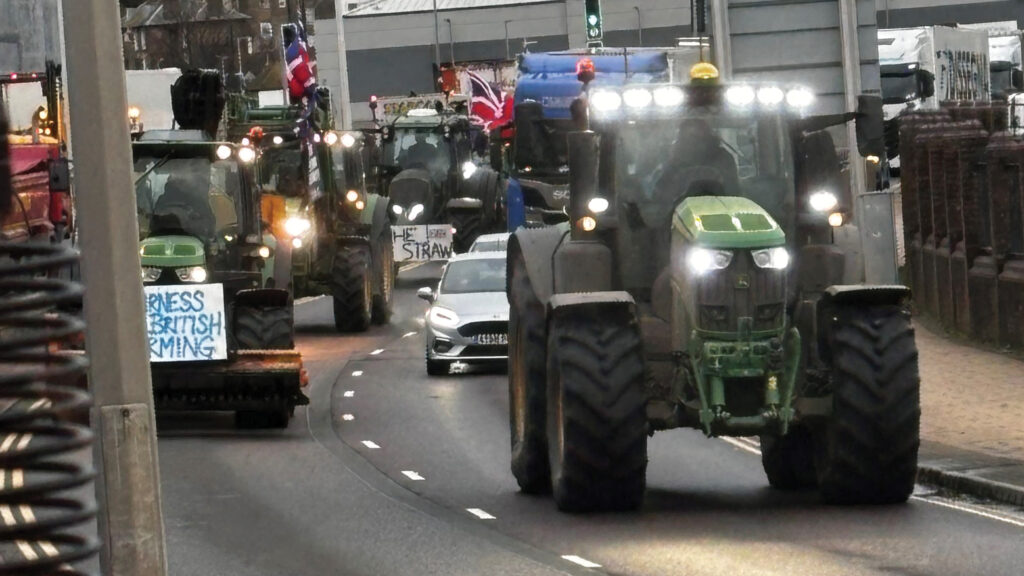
(775, 258)
(702, 260)
(297, 226)
(151, 274)
(823, 201)
(196, 274)
(443, 317)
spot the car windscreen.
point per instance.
(467, 276)
(489, 246)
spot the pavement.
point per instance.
(972, 418)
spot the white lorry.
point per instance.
(149, 98)
(922, 67)
(1004, 42)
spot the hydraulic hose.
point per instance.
(47, 504)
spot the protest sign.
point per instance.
(186, 323)
(420, 243)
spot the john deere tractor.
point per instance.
(219, 338)
(435, 179)
(334, 233)
(701, 282)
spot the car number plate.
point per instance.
(491, 339)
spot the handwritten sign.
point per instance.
(186, 323)
(421, 243)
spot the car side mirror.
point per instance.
(870, 128)
(60, 175)
(426, 293)
(925, 84)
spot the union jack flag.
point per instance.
(489, 106)
(299, 68)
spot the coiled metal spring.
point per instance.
(47, 505)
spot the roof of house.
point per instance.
(156, 13)
(383, 7)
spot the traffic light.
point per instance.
(595, 27)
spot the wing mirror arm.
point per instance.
(426, 293)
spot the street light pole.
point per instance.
(437, 39)
(508, 52)
(451, 41)
(131, 523)
(639, 27)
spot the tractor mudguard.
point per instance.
(864, 295)
(263, 297)
(537, 246)
(582, 266)
(378, 214)
(465, 204)
(597, 304)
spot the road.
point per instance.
(391, 472)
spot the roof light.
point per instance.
(770, 95)
(636, 97)
(348, 140)
(799, 98)
(246, 154)
(597, 205)
(134, 112)
(740, 95)
(668, 96)
(422, 112)
(606, 100)
(223, 152)
(703, 71)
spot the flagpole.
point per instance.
(437, 39)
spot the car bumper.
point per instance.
(453, 344)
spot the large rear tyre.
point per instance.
(384, 268)
(867, 452)
(527, 380)
(468, 225)
(352, 288)
(789, 460)
(266, 328)
(597, 423)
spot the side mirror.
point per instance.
(425, 293)
(60, 175)
(583, 164)
(387, 134)
(6, 190)
(870, 128)
(1017, 79)
(925, 84)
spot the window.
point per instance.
(265, 4)
(282, 3)
(267, 30)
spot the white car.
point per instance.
(490, 242)
(468, 317)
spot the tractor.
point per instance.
(221, 336)
(334, 233)
(429, 153)
(701, 282)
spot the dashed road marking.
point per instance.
(480, 514)
(581, 561)
(348, 417)
(376, 352)
(371, 444)
(17, 478)
(409, 334)
(349, 393)
(357, 373)
(42, 402)
(412, 475)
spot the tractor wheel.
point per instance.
(527, 380)
(384, 268)
(789, 460)
(468, 226)
(597, 422)
(267, 328)
(352, 287)
(867, 452)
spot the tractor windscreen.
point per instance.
(283, 170)
(419, 148)
(658, 165)
(194, 196)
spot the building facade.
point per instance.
(29, 35)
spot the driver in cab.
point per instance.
(700, 164)
(421, 152)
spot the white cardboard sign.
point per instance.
(186, 323)
(422, 243)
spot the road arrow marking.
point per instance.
(349, 393)
(370, 444)
(480, 514)
(581, 561)
(412, 475)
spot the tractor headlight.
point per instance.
(605, 100)
(151, 274)
(352, 195)
(246, 154)
(196, 274)
(799, 97)
(597, 205)
(348, 140)
(823, 201)
(637, 97)
(397, 210)
(297, 226)
(770, 95)
(740, 95)
(331, 138)
(702, 260)
(415, 211)
(468, 169)
(775, 258)
(668, 96)
(444, 317)
(223, 152)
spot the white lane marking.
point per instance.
(48, 548)
(370, 444)
(741, 445)
(581, 561)
(27, 551)
(409, 334)
(357, 373)
(970, 510)
(7, 515)
(945, 504)
(307, 299)
(480, 514)
(8, 441)
(349, 393)
(377, 351)
(348, 417)
(407, 267)
(24, 441)
(412, 475)
(27, 514)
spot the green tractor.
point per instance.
(707, 279)
(435, 180)
(219, 339)
(334, 233)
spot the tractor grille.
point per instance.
(742, 290)
(477, 328)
